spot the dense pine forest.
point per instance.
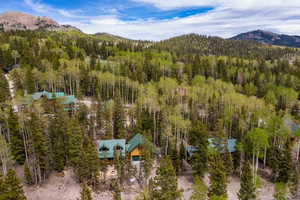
(187, 92)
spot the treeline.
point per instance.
(87, 66)
(176, 95)
(47, 142)
(205, 46)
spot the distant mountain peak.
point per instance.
(270, 38)
(23, 21)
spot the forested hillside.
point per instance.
(207, 45)
(179, 93)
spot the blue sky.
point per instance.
(161, 19)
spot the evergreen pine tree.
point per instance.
(175, 156)
(144, 122)
(86, 193)
(119, 130)
(215, 197)
(40, 146)
(88, 166)
(27, 174)
(200, 190)
(17, 143)
(119, 163)
(147, 162)
(199, 136)
(4, 88)
(285, 164)
(165, 182)
(29, 81)
(58, 140)
(75, 135)
(247, 190)
(117, 190)
(13, 187)
(144, 195)
(281, 192)
(182, 156)
(2, 188)
(228, 162)
(294, 182)
(218, 179)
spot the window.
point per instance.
(104, 149)
(118, 148)
(136, 158)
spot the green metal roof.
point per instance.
(106, 148)
(231, 146)
(69, 99)
(110, 146)
(65, 99)
(137, 140)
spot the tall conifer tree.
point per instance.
(247, 190)
(86, 193)
(17, 143)
(218, 179)
(13, 189)
(119, 130)
(199, 137)
(165, 186)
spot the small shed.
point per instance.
(108, 148)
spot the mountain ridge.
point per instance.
(270, 38)
(14, 20)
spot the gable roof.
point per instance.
(137, 140)
(134, 142)
(110, 145)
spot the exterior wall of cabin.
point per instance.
(136, 152)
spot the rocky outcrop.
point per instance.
(22, 21)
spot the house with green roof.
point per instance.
(133, 148)
(68, 100)
(108, 148)
(215, 144)
(135, 145)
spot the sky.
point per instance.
(162, 19)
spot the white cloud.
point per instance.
(37, 6)
(224, 22)
(173, 4)
(241, 4)
(46, 9)
(229, 17)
